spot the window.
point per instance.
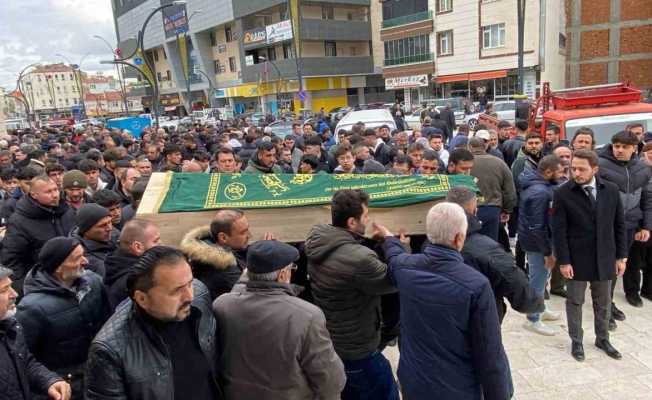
(493, 36)
(67, 102)
(408, 50)
(232, 65)
(288, 50)
(349, 16)
(155, 52)
(71, 78)
(168, 75)
(562, 41)
(213, 39)
(219, 68)
(445, 43)
(327, 12)
(444, 6)
(228, 33)
(353, 51)
(330, 49)
(158, 76)
(271, 54)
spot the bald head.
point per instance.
(138, 236)
(192, 166)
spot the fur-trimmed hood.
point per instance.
(200, 248)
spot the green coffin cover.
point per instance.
(197, 192)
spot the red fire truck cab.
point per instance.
(606, 109)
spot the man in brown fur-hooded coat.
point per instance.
(215, 251)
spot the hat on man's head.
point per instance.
(89, 215)
(483, 134)
(75, 179)
(267, 256)
(55, 251)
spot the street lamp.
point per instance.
(117, 69)
(278, 82)
(186, 71)
(19, 89)
(211, 88)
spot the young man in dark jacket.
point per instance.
(40, 216)
(161, 344)
(443, 300)
(21, 375)
(490, 258)
(347, 281)
(620, 165)
(512, 146)
(64, 307)
(588, 229)
(535, 235)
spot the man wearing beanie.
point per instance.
(74, 188)
(39, 217)
(300, 361)
(64, 307)
(96, 234)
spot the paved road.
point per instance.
(543, 369)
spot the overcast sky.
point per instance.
(36, 30)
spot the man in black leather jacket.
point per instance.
(160, 344)
(489, 257)
(20, 373)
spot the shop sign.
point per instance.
(279, 32)
(254, 36)
(403, 82)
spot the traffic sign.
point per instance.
(302, 95)
(138, 61)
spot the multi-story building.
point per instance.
(247, 50)
(100, 83)
(609, 41)
(446, 48)
(52, 89)
(105, 104)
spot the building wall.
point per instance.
(610, 41)
(377, 47)
(553, 57)
(230, 49)
(41, 97)
(467, 39)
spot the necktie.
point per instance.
(589, 192)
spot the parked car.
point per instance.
(371, 119)
(506, 110)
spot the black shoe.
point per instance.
(577, 350)
(646, 296)
(616, 313)
(634, 299)
(612, 325)
(546, 295)
(605, 346)
(559, 292)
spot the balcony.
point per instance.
(321, 29)
(415, 59)
(407, 19)
(311, 66)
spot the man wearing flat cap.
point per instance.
(64, 307)
(265, 325)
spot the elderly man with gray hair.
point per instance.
(21, 375)
(451, 347)
(275, 345)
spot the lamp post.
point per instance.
(186, 71)
(123, 89)
(211, 88)
(520, 4)
(278, 82)
(19, 89)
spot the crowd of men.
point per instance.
(93, 305)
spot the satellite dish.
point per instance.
(128, 48)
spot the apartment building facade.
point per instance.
(52, 89)
(609, 41)
(243, 53)
(454, 48)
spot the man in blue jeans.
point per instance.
(534, 232)
(347, 281)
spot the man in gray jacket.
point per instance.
(347, 281)
(275, 345)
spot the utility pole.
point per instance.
(520, 4)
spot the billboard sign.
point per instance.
(279, 32)
(404, 82)
(175, 19)
(254, 36)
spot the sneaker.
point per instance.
(540, 328)
(549, 315)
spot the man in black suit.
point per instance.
(590, 242)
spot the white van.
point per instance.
(370, 119)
